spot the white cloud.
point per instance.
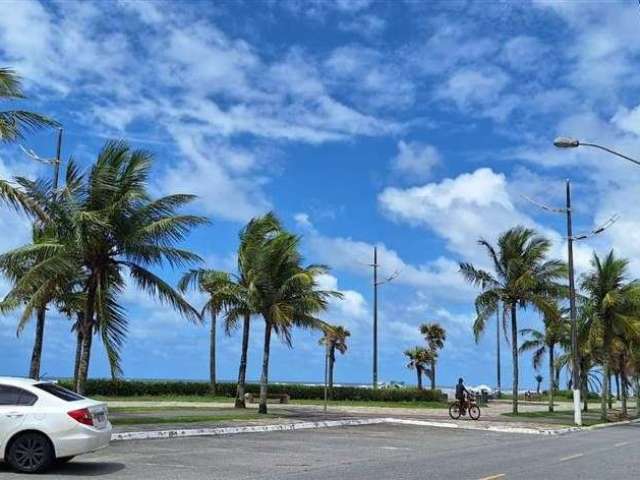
(460, 210)
(416, 160)
(440, 277)
(352, 305)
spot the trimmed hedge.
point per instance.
(133, 388)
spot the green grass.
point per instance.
(184, 419)
(227, 400)
(366, 403)
(563, 417)
(167, 398)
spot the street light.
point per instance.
(568, 142)
(567, 210)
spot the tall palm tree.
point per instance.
(252, 242)
(544, 343)
(221, 288)
(108, 227)
(522, 277)
(435, 337)
(334, 339)
(616, 306)
(286, 294)
(419, 360)
(14, 124)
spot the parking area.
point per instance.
(365, 452)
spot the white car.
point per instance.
(42, 423)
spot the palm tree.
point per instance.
(419, 360)
(539, 379)
(544, 343)
(252, 242)
(286, 295)
(616, 306)
(15, 123)
(221, 288)
(108, 226)
(522, 277)
(334, 338)
(435, 337)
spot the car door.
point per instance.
(15, 405)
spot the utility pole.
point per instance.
(375, 317)
(577, 412)
(56, 165)
(498, 349)
(575, 353)
(377, 283)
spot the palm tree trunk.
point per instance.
(36, 355)
(552, 376)
(212, 355)
(87, 337)
(623, 393)
(332, 362)
(433, 374)
(605, 391)
(638, 395)
(610, 395)
(76, 363)
(617, 376)
(419, 372)
(514, 353)
(242, 371)
(85, 358)
(264, 378)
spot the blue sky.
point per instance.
(413, 126)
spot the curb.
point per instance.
(204, 432)
(210, 432)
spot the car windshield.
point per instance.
(60, 392)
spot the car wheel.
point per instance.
(30, 453)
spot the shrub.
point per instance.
(133, 388)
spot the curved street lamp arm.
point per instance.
(613, 152)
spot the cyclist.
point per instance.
(461, 395)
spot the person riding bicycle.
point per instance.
(462, 394)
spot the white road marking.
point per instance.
(572, 457)
(494, 477)
(621, 444)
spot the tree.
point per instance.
(544, 344)
(334, 338)
(221, 289)
(435, 337)
(14, 124)
(253, 238)
(419, 360)
(539, 379)
(286, 295)
(522, 277)
(615, 303)
(107, 226)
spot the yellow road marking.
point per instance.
(571, 457)
(493, 477)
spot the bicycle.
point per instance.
(455, 412)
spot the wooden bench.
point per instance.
(280, 397)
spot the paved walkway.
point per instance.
(292, 413)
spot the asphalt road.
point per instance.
(366, 453)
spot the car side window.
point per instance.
(14, 396)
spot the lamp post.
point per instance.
(568, 142)
(575, 364)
